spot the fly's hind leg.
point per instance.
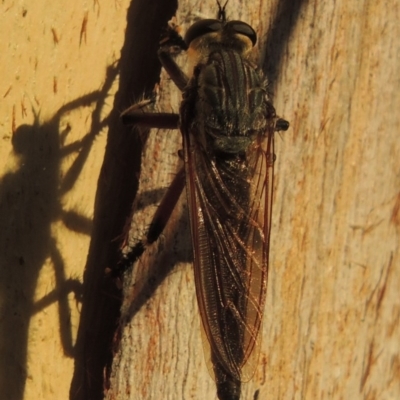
(171, 44)
(137, 116)
(157, 224)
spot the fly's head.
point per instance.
(208, 35)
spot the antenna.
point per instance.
(221, 11)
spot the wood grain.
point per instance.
(332, 318)
(331, 325)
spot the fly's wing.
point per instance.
(230, 211)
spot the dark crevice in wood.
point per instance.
(117, 186)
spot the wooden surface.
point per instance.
(331, 324)
(331, 327)
(56, 89)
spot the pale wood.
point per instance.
(53, 69)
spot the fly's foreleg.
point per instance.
(174, 71)
(171, 44)
(134, 115)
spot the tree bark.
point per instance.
(331, 324)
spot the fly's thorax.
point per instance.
(231, 106)
(206, 36)
(201, 48)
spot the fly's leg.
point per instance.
(157, 225)
(169, 200)
(135, 115)
(151, 120)
(171, 44)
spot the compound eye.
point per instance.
(243, 29)
(201, 28)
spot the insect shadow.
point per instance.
(30, 202)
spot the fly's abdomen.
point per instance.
(226, 127)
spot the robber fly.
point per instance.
(227, 123)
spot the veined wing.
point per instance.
(230, 210)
